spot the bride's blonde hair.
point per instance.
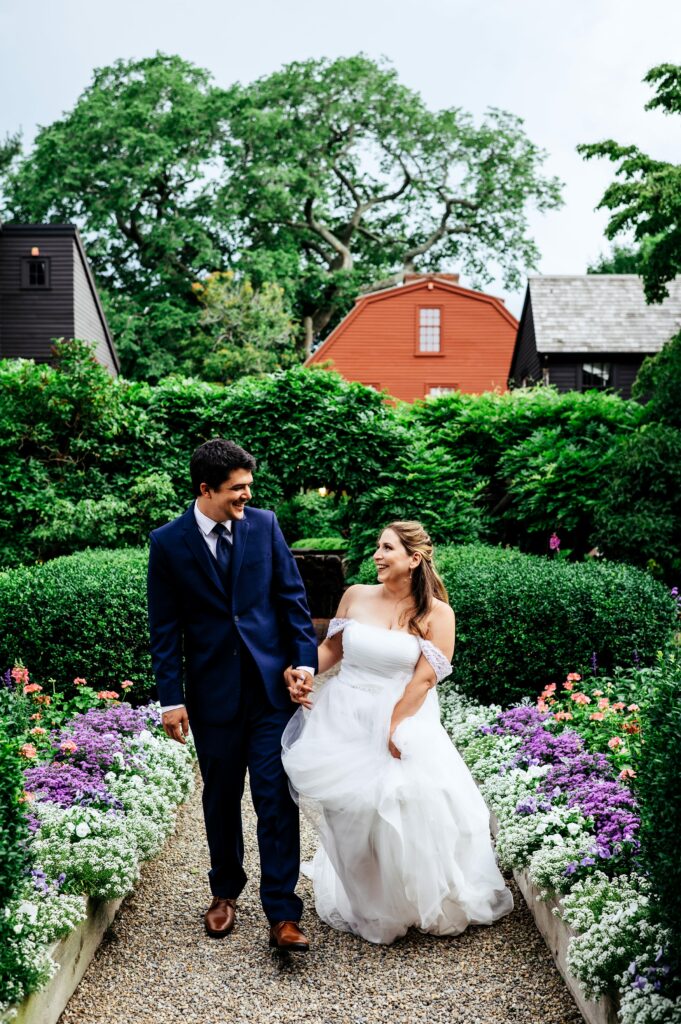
(426, 583)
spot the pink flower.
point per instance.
(633, 707)
(615, 742)
(28, 750)
(554, 542)
(32, 688)
(618, 705)
(603, 703)
(568, 686)
(107, 695)
(597, 693)
(20, 675)
(68, 746)
(580, 698)
(37, 730)
(36, 717)
(627, 773)
(573, 677)
(562, 716)
(79, 682)
(597, 716)
(126, 684)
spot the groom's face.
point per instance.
(229, 500)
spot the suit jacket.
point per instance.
(198, 620)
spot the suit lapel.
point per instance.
(199, 548)
(239, 538)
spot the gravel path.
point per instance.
(157, 965)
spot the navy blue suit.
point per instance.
(220, 647)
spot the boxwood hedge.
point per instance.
(80, 615)
(522, 620)
(526, 620)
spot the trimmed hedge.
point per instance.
(526, 620)
(657, 789)
(82, 615)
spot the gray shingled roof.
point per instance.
(601, 313)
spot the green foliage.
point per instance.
(657, 790)
(320, 544)
(247, 332)
(542, 455)
(659, 381)
(14, 858)
(524, 621)
(84, 616)
(647, 196)
(622, 259)
(638, 517)
(374, 189)
(312, 514)
(424, 482)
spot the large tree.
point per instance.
(341, 177)
(646, 197)
(135, 165)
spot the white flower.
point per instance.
(82, 829)
(29, 910)
(145, 735)
(573, 828)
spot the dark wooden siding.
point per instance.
(88, 324)
(30, 319)
(565, 372)
(526, 365)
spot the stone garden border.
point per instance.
(73, 954)
(557, 934)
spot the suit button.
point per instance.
(236, 618)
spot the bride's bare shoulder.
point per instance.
(441, 614)
(354, 595)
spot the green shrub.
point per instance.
(524, 620)
(13, 827)
(321, 544)
(312, 515)
(638, 514)
(83, 615)
(657, 789)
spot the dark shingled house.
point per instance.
(590, 331)
(47, 291)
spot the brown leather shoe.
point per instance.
(219, 918)
(286, 935)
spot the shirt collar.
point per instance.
(206, 525)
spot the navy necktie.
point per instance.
(224, 548)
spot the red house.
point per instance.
(427, 336)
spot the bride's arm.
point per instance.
(330, 651)
(424, 678)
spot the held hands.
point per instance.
(299, 685)
(176, 724)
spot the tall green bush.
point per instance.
(657, 789)
(83, 615)
(524, 620)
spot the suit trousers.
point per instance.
(252, 740)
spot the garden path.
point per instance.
(157, 965)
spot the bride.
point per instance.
(403, 830)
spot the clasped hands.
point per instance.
(299, 685)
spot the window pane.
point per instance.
(596, 375)
(443, 389)
(429, 330)
(37, 273)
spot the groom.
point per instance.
(227, 615)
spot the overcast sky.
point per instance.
(572, 71)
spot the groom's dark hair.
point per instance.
(214, 460)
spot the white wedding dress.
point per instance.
(403, 842)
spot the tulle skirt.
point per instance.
(403, 842)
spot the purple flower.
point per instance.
(519, 720)
(554, 542)
(542, 747)
(587, 861)
(570, 868)
(67, 784)
(7, 679)
(594, 662)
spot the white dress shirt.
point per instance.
(206, 526)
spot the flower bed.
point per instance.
(102, 783)
(557, 775)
